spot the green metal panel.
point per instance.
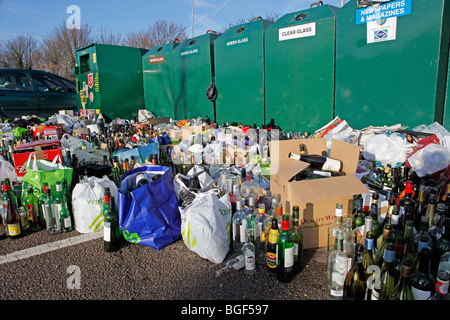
(193, 71)
(299, 69)
(239, 60)
(446, 121)
(158, 84)
(395, 81)
(117, 86)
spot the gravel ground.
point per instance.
(137, 272)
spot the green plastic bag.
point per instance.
(44, 171)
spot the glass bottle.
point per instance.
(65, 218)
(33, 211)
(2, 228)
(368, 260)
(387, 274)
(441, 287)
(285, 253)
(422, 282)
(336, 268)
(235, 263)
(110, 225)
(422, 239)
(238, 228)
(393, 219)
(440, 247)
(272, 240)
(355, 282)
(349, 244)
(377, 227)
(249, 253)
(297, 236)
(358, 217)
(406, 201)
(337, 224)
(13, 221)
(420, 205)
(410, 250)
(48, 211)
(402, 289)
(260, 225)
(386, 238)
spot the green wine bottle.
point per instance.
(402, 289)
(285, 253)
(355, 286)
(297, 236)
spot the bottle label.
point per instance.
(249, 260)
(242, 233)
(420, 294)
(273, 236)
(395, 218)
(288, 258)
(442, 286)
(29, 209)
(331, 165)
(107, 231)
(369, 243)
(67, 222)
(294, 156)
(14, 229)
(271, 260)
(337, 293)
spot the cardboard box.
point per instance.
(44, 149)
(316, 198)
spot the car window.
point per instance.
(15, 82)
(46, 83)
(69, 84)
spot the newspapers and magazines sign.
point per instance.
(383, 11)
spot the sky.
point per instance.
(124, 16)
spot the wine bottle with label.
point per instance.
(285, 253)
(249, 253)
(337, 266)
(337, 224)
(422, 282)
(110, 225)
(238, 228)
(13, 221)
(260, 226)
(355, 286)
(318, 161)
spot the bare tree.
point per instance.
(18, 51)
(161, 32)
(107, 36)
(57, 51)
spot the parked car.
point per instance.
(34, 92)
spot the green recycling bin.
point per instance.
(157, 66)
(391, 62)
(446, 121)
(193, 72)
(109, 79)
(239, 61)
(299, 69)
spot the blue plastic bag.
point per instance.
(149, 215)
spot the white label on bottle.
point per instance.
(242, 233)
(420, 294)
(107, 231)
(337, 293)
(249, 260)
(395, 218)
(332, 165)
(295, 249)
(322, 173)
(294, 156)
(67, 223)
(288, 257)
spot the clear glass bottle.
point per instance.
(337, 224)
(336, 268)
(349, 243)
(48, 211)
(260, 226)
(238, 227)
(249, 253)
(235, 264)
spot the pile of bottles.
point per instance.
(23, 211)
(404, 255)
(265, 239)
